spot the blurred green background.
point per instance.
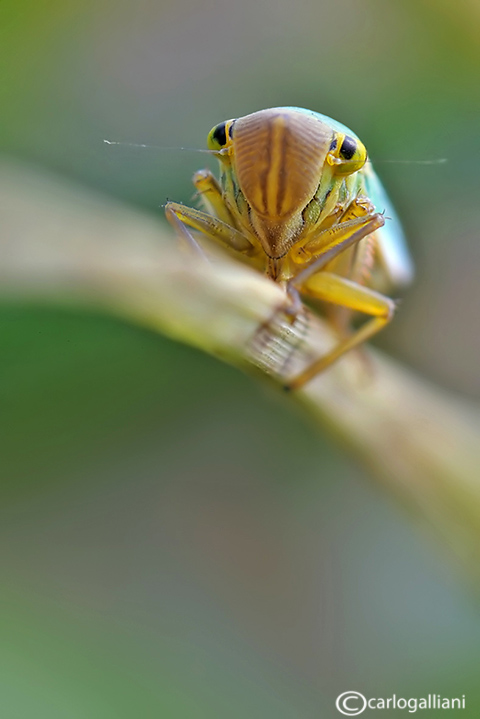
(175, 542)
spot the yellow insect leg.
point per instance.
(182, 218)
(326, 245)
(340, 291)
(210, 194)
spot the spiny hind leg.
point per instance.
(343, 292)
(341, 320)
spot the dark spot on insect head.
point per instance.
(348, 148)
(230, 130)
(333, 144)
(219, 134)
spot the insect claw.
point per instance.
(295, 306)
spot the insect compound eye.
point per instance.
(347, 155)
(348, 148)
(220, 135)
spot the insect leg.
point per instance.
(182, 218)
(211, 196)
(182, 231)
(327, 245)
(321, 249)
(340, 291)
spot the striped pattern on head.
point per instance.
(278, 156)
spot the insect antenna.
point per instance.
(434, 161)
(158, 147)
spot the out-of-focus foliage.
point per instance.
(175, 543)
